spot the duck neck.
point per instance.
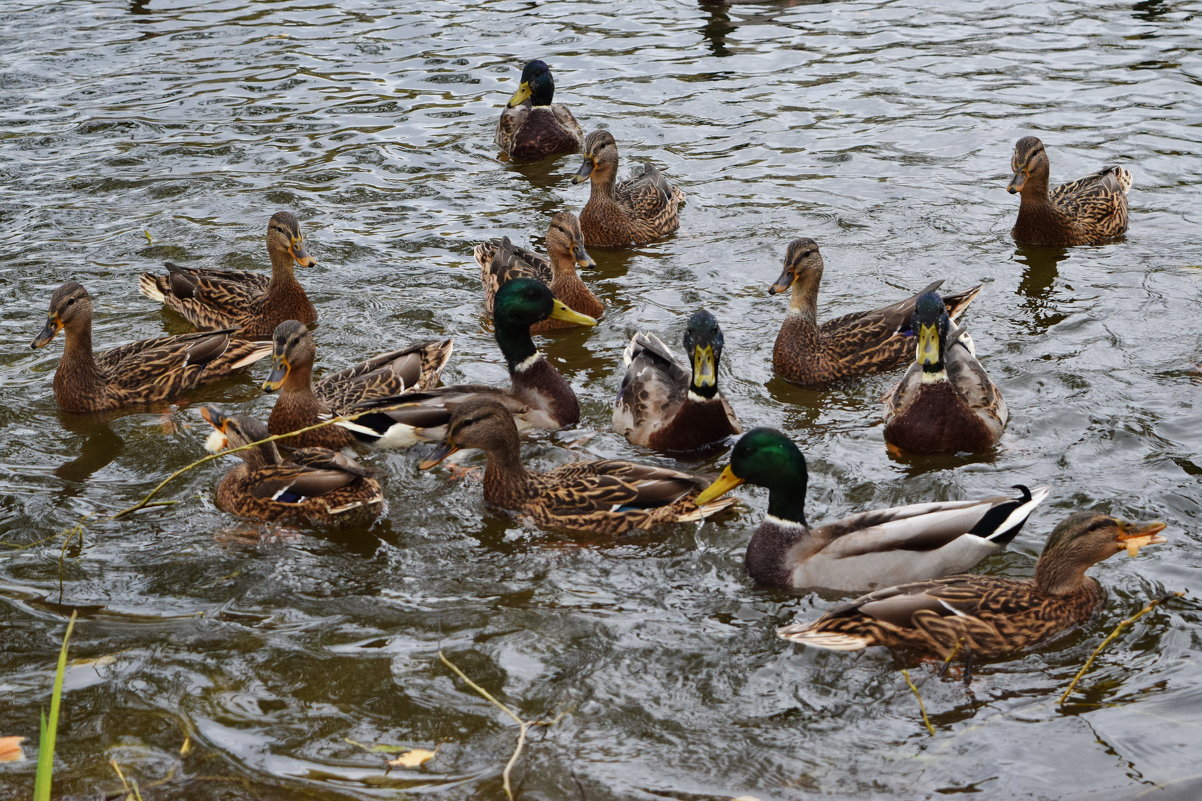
(565, 281)
(282, 276)
(77, 369)
(803, 298)
(787, 502)
(1063, 577)
(506, 480)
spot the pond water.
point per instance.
(216, 659)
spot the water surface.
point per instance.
(170, 130)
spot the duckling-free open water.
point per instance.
(883, 130)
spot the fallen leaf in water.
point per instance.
(10, 749)
(412, 759)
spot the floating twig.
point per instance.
(523, 725)
(1109, 639)
(922, 708)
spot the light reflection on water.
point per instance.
(883, 130)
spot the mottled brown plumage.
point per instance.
(945, 403)
(531, 126)
(985, 616)
(313, 485)
(139, 373)
(500, 260)
(1087, 211)
(634, 212)
(251, 303)
(855, 344)
(664, 405)
(304, 402)
(607, 497)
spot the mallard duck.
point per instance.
(986, 616)
(140, 373)
(855, 344)
(945, 403)
(866, 550)
(531, 126)
(313, 485)
(538, 396)
(610, 497)
(1087, 211)
(637, 211)
(252, 303)
(500, 260)
(666, 406)
(304, 403)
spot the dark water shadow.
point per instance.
(100, 447)
(719, 24)
(1037, 285)
(1151, 10)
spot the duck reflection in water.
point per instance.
(1038, 282)
(100, 447)
(719, 24)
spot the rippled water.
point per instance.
(881, 129)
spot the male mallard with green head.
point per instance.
(664, 405)
(945, 403)
(531, 126)
(866, 550)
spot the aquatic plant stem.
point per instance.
(1109, 639)
(523, 725)
(49, 725)
(922, 709)
(210, 457)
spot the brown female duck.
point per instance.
(303, 402)
(985, 616)
(663, 405)
(538, 396)
(252, 303)
(866, 550)
(500, 260)
(137, 374)
(1087, 211)
(855, 344)
(602, 497)
(531, 126)
(634, 212)
(945, 403)
(313, 485)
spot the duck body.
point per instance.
(986, 616)
(304, 402)
(1087, 211)
(861, 343)
(945, 403)
(538, 395)
(867, 550)
(664, 405)
(531, 126)
(141, 373)
(606, 497)
(251, 303)
(636, 211)
(500, 260)
(311, 486)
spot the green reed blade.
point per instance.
(49, 726)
